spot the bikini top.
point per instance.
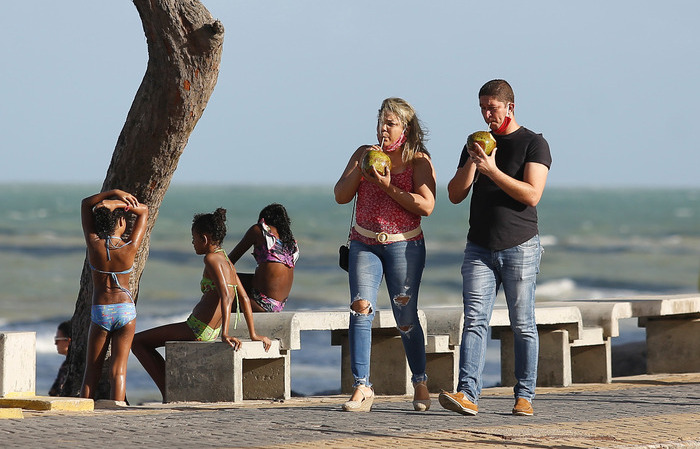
(207, 285)
(273, 250)
(113, 274)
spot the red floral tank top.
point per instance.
(378, 212)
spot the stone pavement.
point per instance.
(650, 411)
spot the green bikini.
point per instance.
(202, 331)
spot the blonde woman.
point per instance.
(387, 241)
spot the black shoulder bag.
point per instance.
(344, 250)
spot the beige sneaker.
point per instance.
(523, 407)
(458, 402)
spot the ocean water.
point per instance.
(598, 243)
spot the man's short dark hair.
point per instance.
(499, 89)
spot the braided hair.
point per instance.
(276, 215)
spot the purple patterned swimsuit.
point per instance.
(272, 251)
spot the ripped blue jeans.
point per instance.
(401, 264)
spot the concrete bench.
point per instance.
(672, 331)
(287, 326)
(672, 325)
(389, 377)
(442, 363)
(567, 348)
(390, 373)
(214, 372)
(592, 363)
(17, 364)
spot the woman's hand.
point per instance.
(101, 204)
(123, 200)
(383, 180)
(265, 341)
(130, 200)
(231, 341)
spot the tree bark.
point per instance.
(184, 53)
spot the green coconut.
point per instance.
(377, 159)
(484, 139)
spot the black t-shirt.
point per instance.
(497, 221)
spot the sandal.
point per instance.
(363, 405)
(421, 405)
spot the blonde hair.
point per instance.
(415, 135)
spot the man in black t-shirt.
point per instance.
(503, 247)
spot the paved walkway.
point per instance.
(660, 411)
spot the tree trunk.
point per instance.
(184, 53)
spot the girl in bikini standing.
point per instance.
(276, 253)
(111, 260)
(210, 318)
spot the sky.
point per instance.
(612, 86)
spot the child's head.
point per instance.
(212, 225)
(106, 221)
(63, 337)
(276, 215)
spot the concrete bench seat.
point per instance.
(287, 326)
(566, 346)
(605, 314)
(214, 372)
(672, 324)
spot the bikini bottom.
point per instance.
(112, 317)
(201, 330)
(267, 303)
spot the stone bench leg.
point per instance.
(442, 364)
(554, 361)
(214, 372)
(672, 345)
(389, 370)
(17, 364)
(591, 364)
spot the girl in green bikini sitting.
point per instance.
(209, 320)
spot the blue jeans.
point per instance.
(401, 263)
(483, 272)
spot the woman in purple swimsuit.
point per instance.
(276, 253)
(111, 259)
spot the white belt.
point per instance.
(383, 237)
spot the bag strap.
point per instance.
(352, 218)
